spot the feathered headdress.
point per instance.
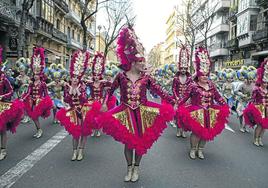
(38, 61)
(98, 65)
(262, 72)
(183, 58)
(129, 49)
(229, 73)
(202, 62)
(79, 64)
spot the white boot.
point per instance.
(39, 133)
(192, 153)
(183, 135)
(178, 133)
(260, 141)
(74, 155)
(200, 153)
(3, 154)
(98, 134)
(129, 173)
(256, 142)
(80, 155)
(135, 175)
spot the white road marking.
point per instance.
(15, 173)
(227, 127)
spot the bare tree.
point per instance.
(119, 14)
(26, 6)
(200, 22)
(87, 14)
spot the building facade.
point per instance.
(156, 56)
(174, 36)
(54, 25)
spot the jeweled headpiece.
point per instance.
(98, 65)
(129, 49)
(79, 64)
(38, 61)
(202, 62)
(183, 58)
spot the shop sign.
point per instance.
(234, 63)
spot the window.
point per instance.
(69, 32)
(253, 22)
(58, 24)
(78, 37)
(73, 34)
(47, 10)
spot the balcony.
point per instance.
(222, 5)
(91, 32)
(222, 27)
(246, 39)
(218, 49)
(59, 35)
(263, 3)
(232, 44)
(43, 27)
(260, 35)
(62, 5)
(73, 44)
(74, 17)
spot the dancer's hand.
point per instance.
(104, 108)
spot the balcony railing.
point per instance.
(44, 26)
(233, 43)
(62, 5)
(263, 3)
(72, 15)
(73, 44)
(59, 35)
(260, 35)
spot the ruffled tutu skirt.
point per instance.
(205, 123)
(10, 115)
(74, 121)
(40, 109)
(256, 114)
(139, 128)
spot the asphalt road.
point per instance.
(231, 161)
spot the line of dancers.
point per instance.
(84, 101)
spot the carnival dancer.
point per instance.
(10, 112)
(98, 86)
(22, 82)
(37, 101)
(208, 112)
(72, 117)
(56, 86)
(136, 122)
(256, 112)
(180, 82)
(228, 87)
(244, 92)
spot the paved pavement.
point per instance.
(231, 161)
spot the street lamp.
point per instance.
(99, 28)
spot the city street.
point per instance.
(231, 161)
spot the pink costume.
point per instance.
(207, 113)
(72, 118)
(37, 101)
(257, 110)
(10, 112)
(136, 122)
(179, 88)
(98, 88)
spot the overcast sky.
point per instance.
(150, 22)
(151, 18)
